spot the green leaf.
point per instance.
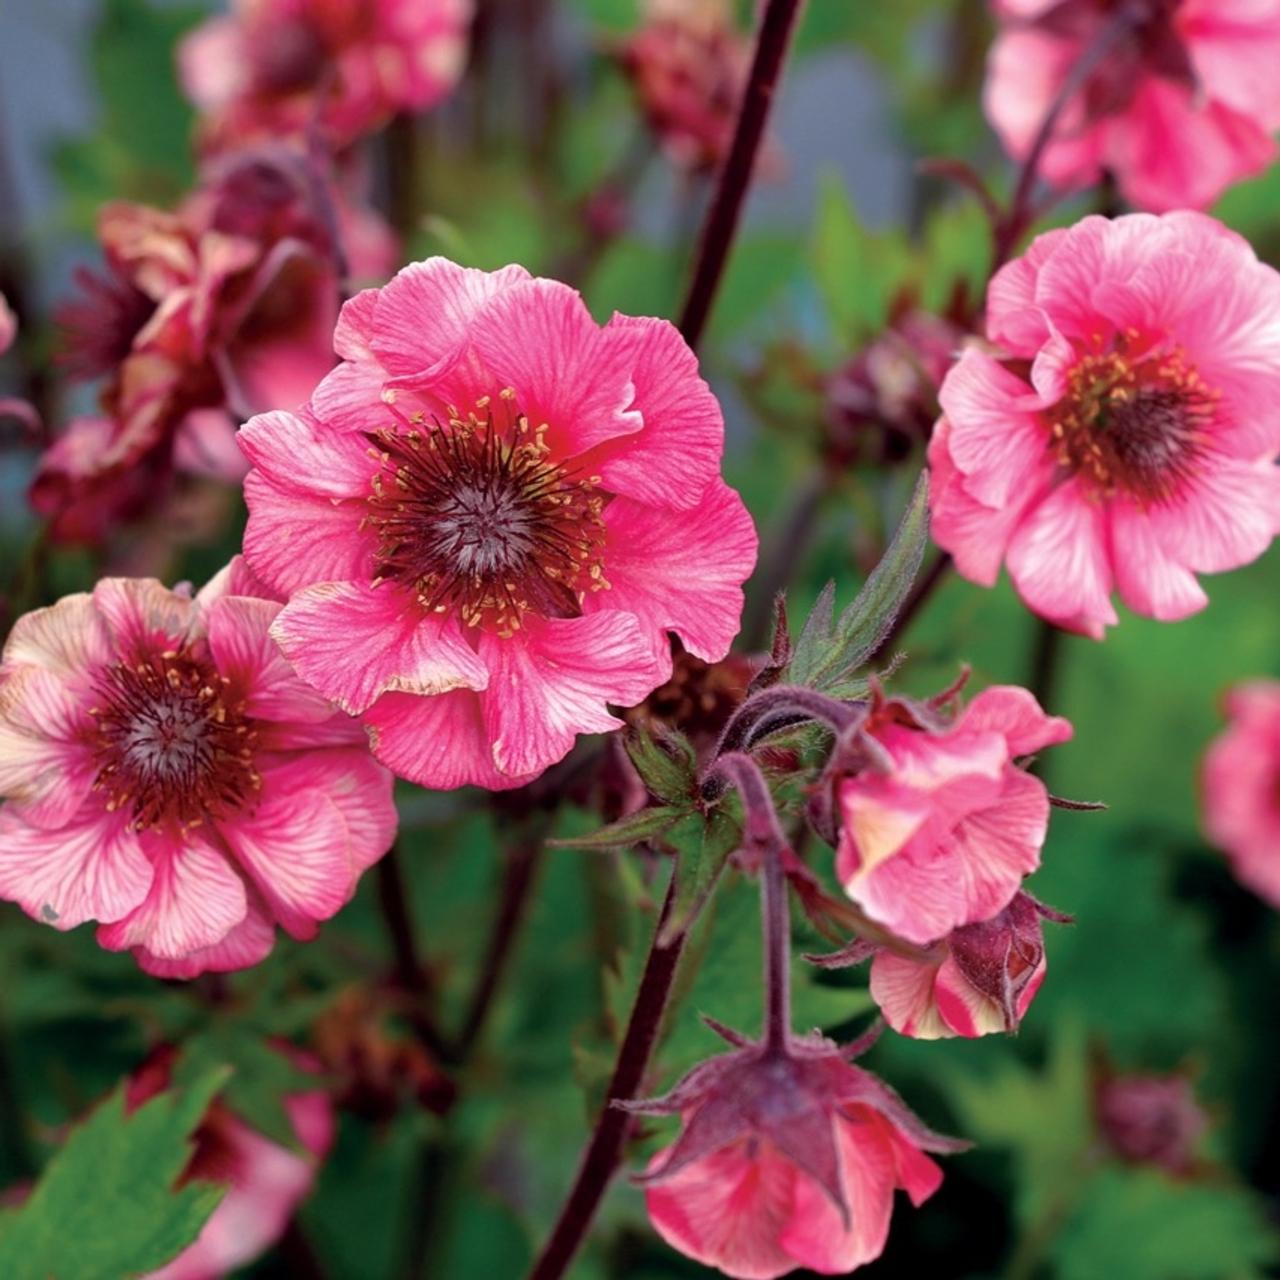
(703, 845)
(827, 653)
(1143, 1225)
(631, 830)
(667, 763)
(857, 272)
(106, 1207)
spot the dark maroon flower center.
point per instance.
(169, 744)
(1133, 420)
(476, 517)
(99, 327)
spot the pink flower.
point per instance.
(1129, 441)
(938, 824)
(167, 775)
(688, 64)
(8, 325)
(1182, 104)
(201, 318)
(265, 1181)
(277, 67)
(785, 1161)
(1242, 787)
(980, 979)
(489, 517)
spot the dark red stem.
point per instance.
(604, 1152)
(726, 205)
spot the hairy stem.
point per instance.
(725, 212)
(604, 1151)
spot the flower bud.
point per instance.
(1151, 1119)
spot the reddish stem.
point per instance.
(726, 206)
(604, 1152)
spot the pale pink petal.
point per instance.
(235, 578)
(1014, 713)
(144, 615)
(1234, 47)
(353, 334)
(239, 631)
(539, 339)
(353, 399)
(91, 869)
(8, 325)
(47, 765)
(195, 900)
(679, 571)
(1149, 582)
(1059, 561)
(214, 64)
(963, 1007)
(439, 742)
(676, 457)
(916, 1174)
(248, 943)
(1014, 317)
(304, 456)
(728, 1211)
(551, 681)
(205, 445)
(395, 644)
(293, 540)
(903, 989)
(296, 847)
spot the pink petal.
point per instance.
(423, 316)
(815, 1236)
(205, 445)
(916, 1174)
(293, 540)
(306, 457)
(963, 1007)
(1014, 317)
(235, 578)
(239, 631)
(248, 943)
(997, 438)
(538, 338)
(679, 571)
(728, 1211)
(353, 398)
(1149, 582)
(903, 989)
(676, 457)
(1017, 716)
(144, 615)
(91, 869)
(353, 335)
(47, 766)
(295, 845)
(439, 742)
(353, 643)
(213, 63)
(1234, 47)
(195, 900)
(551, 681)
(1060, 563)
(357, 785)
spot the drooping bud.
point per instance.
(787, 1159)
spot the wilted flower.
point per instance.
(937, 823)
(489, 517)
(167, 775)
(688, 64)
(787, 1159)
(882, 404)
(1181, 101)
(980, 979)
(200, 318)
(1242, 787)
(265, 1181)
(1129, 442)
(273, 68)
(1151, 1119)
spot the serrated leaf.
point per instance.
(828, 653)
(703, 845)
(106, 1207)
(666, 762)
(262, 1076)
(635, 828)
